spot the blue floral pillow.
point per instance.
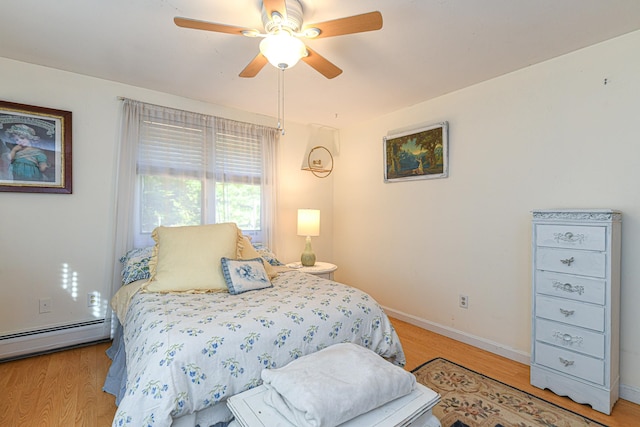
(135, 264)
(242, 275)
(266, 253)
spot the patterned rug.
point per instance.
(470, 399)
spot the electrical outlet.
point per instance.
(93, 299)
(463, 300)
(45, 305)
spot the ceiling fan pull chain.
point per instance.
(281, 100)
(278, 99)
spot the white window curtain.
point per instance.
(236, 162)
(181, 168)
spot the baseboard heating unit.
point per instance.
(27, 343)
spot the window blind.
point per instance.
(172, 149)
(238, 158)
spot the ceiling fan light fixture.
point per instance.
(282, 50)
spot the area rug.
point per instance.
(470, 399)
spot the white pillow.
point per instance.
(187, 259)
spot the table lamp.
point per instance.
(308, 225)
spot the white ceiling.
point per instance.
(426, 48)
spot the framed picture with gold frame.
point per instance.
(417, 154)
(35, 149)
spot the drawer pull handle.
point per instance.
(565, 362)
(568, 287)
(568, 237)
(567, 261)
(567, 339)
(567, 313)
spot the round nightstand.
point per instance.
(321, 269)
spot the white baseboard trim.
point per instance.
(484, 344)
(59, 337)
(632, 394)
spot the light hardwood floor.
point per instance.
(65, 388)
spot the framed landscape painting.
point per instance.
(417, 154)
(35, 149)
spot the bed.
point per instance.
(186, 352)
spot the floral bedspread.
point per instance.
(186, 352)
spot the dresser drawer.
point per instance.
(574, 287)
(584, 263)
(570, 363)
(572, 312)
(570, 337)
(572, 236)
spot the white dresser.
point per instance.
(576, 303)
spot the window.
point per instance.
(181, 168)
(172, 175)
(193, 170)
(238, 172)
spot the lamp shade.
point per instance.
(282, 50)
(308, 222)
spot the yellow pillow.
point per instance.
(247, 251)
(187, 259)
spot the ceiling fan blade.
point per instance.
(208, 26)
(353, 24)
(254, 67)
(279, 6)
(321, 64)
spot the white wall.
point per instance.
(549, 136)
(40, 233)
(298, 190)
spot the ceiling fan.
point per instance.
(281, 44)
